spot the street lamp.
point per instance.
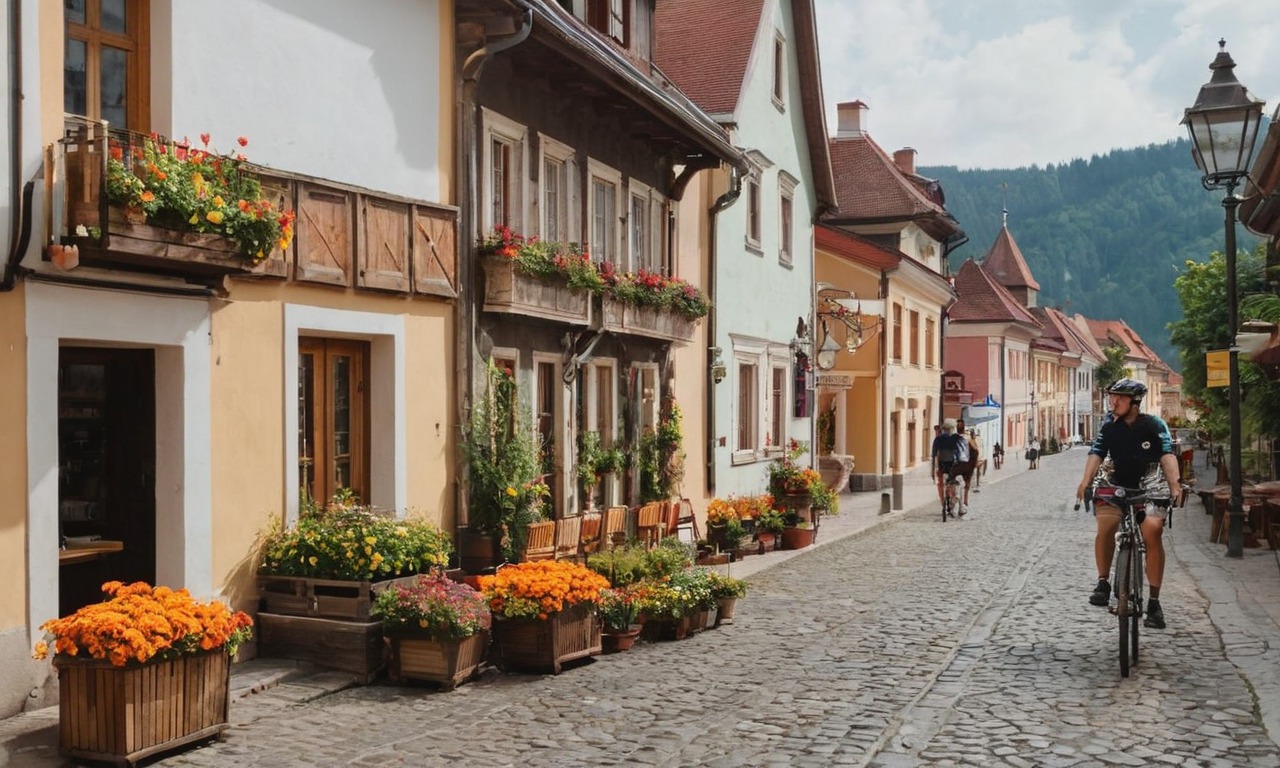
(1223, 125)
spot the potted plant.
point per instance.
(696, 584)
(791, 484)
(798, 535)
(594, 462)
(504, 468)
(437, 629)
(544, 613)
(108, 653)
(727, 591)
(665, 609)
(619, 613)
(660, 457)
(769, 526)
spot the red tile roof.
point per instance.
(983, 300)
(704, 47)
(870, 186)
(1004, 261)
(856, 248)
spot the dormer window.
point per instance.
(611, 18)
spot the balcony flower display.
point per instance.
(179, 186)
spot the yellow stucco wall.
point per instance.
(248, 425)
(13, 462)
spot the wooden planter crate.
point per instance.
(507, 290)
(542, 644)
(316, 598)
(653, 322)
(447, 662)
(149, 248)
(125, 714)
(347, 646)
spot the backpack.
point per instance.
(956, 453)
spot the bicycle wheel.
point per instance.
(1123, 589)
(946, 507)
(1138, 601)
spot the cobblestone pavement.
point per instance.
(918, 643)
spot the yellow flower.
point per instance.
(218, 201)
(42, 650)
(195, 217)
(313, 560)
(214, 216)
(511, 491)
(370, 539)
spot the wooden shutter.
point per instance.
(384, 245)
(435, 251)
(324, 235)
(280, 192)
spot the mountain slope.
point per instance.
(1104, 237)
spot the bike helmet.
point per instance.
(1135, 389)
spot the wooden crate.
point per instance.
(546, 644)
(125, 714)
(316, 598)
(447, 662)
(347, 646)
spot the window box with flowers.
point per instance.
(437, 629)
(537, 278)
(142, 672)
(544, 614)
(651, 304)
(146, 203)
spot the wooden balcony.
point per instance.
(649, 322)
(508, 291)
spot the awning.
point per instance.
(987, 410)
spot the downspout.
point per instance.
(20, 194)
(468, 173)
(721, 203)
(886, 441)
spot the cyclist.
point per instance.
(949, 451)
(1134, 441)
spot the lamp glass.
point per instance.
(1223, 140)
(827, 353)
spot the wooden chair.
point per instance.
(685, 520)
(589, 540)
(569, 538)
(614, 529)
(650, 523)
(541, 543)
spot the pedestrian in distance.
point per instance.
(997, 454)
(949, 451)
(1135, 442)
(966, 468)
(1033, 453)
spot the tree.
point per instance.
(1114, 368)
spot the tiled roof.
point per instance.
(869, 185)
(704, 47)
(983, 300)
(1004, 261)
(856, 248)
(1108, 332)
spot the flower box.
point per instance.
(447, 662)
(356, 647)
(317, 598)
(667, 629)
(652, 322)
(797, 538)
(124, 714)
(160, 250)
(509, 291)
(546, 644)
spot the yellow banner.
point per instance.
(1217, 368)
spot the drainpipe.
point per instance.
(886, 442)
(721, 203)
(20, 201)
(468, 173)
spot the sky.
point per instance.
(1008, 83)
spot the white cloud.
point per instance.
(998, 84)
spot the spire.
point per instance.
(1004, 205)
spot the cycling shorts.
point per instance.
(1103, 509)
(947, 468)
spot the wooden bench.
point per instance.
(569, 538)
(589, 540)
(614, 529)
(541, 543)
(650, 523)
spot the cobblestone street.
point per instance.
(914, 643)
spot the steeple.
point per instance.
(1004, 205)
(1005, 263)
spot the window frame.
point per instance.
(325, 349)
(930, 342)
(755, 213)
(136, 42)
(897, 332)
(779, 90)
(500, 129)
(597, 170)
(778, 405)
(551, 150)
(561, 487)
(913, 336)
(786, 217)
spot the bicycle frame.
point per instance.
(951, 499)
(1128, 584)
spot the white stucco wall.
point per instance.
(330, 88)
(757, 297)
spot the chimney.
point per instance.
(905, 159)
(851, 120)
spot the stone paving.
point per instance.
(913, 643)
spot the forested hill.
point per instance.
(1104, 237)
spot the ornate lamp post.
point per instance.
(1223, 125)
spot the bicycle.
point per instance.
(951, 499)
(1128, 588)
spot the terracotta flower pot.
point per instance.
(617, 641)
(797, 538)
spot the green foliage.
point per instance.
(1105, 236)
(620, 565)
(618, 609)
(505, 493)
(661, 456)
(771, 521)
(1113, 368)
(353, 543)
(723, 587)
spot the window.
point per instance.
(777, 407)
(786, 219)
(897, 333)
(550, 425)
(753, 211)
(779, 70)
(503, 162)
(914, 337)
(557, 190)
(333, 411)
(646, 374)
(747, 407)
(639, 226)
(105, 69)
(611, 18)
(930, 342)
(605, 184)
